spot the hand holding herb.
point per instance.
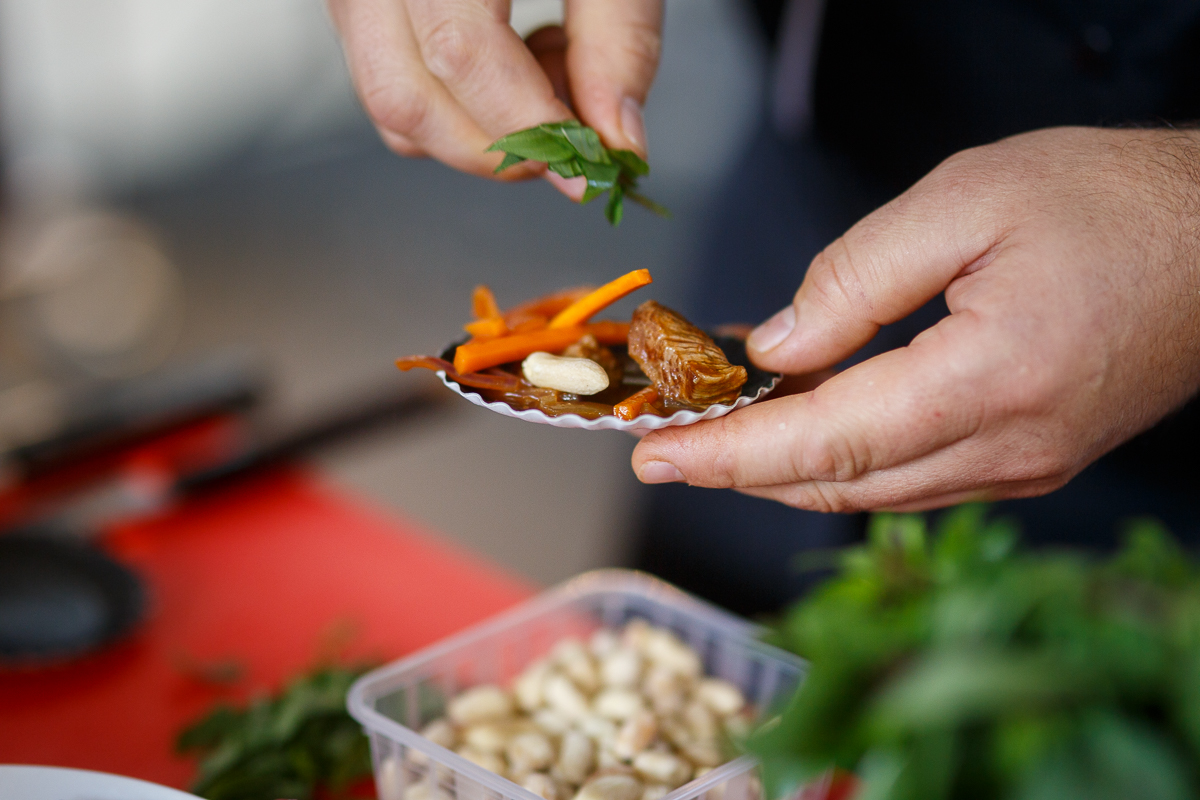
(446, 79)
(572, 150)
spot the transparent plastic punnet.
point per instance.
(396, 701)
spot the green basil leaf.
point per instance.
(535, 144)
(568, 168)
(615, 210)
(630, 161)
(603, 176)
(590, 193)
(587, 142)
(510, 159)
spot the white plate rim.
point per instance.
(639, 425)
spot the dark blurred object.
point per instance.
(141, 446)
(117, 445)
(769, 16)
(60, 598)
(112, 414)
(901, 86)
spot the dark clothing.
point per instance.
(900, 86)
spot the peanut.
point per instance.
(564, 696)
(489, 761)
(617, 704)
(664, 768)
(480, 704)
(621, 668)
(528, 686)
(611, 787)
(580, 376)
(722, 697)
(576, 757)
(542, 784)
(635, 735)
(529, 752)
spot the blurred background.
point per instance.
(195, 200)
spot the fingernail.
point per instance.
(768, 335)
(659, 472)
(632, 124)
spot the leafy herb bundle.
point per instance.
(953, 665)
(571, 149)
(294, 745)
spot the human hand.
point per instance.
(1070, 261)
(446, 78)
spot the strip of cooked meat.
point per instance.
(687, 367)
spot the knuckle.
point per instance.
(448, 50)
(396, 107)
(827, 455)
(643, 46)
(1045, 462)
(837, 285)
(820, 497)
(725, 469)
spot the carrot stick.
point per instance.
(608, 332)
(475, 356)
(526, 324)
(483, 303)
(589, 305)
(546, 306)
(632, 406)
(487, 328)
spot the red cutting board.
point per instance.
(261, 573)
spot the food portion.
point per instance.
(629, 715)
(548, 354)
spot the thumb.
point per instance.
(612, 55)
(887, 266)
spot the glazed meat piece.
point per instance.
(687, 367)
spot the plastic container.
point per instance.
(395, 701)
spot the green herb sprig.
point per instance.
(949, 664)
(294, 745)
(571, 149)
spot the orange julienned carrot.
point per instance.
(474, 356)
(546, 306)
(632, 406)
(608, 332)
(487, 328)
(483, 303)
(587, 306)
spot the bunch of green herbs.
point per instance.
(951, 664)
(571, 149)
(298, 744)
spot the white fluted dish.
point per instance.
(758, 386)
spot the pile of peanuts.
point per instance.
(629, 715)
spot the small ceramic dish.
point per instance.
(758, 385)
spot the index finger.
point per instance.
(470, 47)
